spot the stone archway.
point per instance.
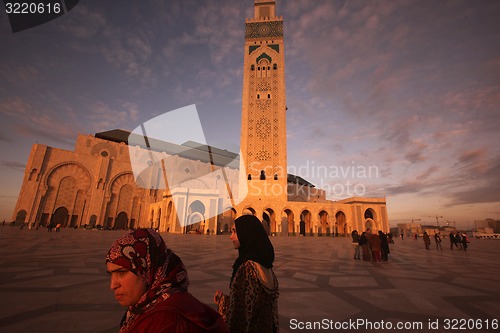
(196, 217)
(196, 223)
(60, 216)
(323, 224)
(340, 224)
(158, 219)
(93, 220)
(21, 217)
(305, 221)
(287, 223)
(227, 223)
(266, 222)
(370, 224)
(248, 211)
(370, 220)
(271, 221)
(169, 216)
(121, 221)
(370, 214)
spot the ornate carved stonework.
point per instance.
(264, 29)
(263, 105)
(263, 128)
(263, 86)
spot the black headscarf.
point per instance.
(254, 243)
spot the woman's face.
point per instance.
(127, 287)
(234, 238)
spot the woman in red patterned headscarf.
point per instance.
(152, 282)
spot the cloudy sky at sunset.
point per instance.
(408, 89)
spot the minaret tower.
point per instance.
(263, 119)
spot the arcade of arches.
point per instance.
(294, 219)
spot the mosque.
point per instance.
(193, 187)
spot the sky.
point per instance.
(395, 99)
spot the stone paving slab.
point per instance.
(57, 282)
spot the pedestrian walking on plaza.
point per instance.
(427, 241)
(465, 241)
(458, 241)
(390, 238)
(384, 246)
(437, 239)
(152, 282)
(365, 247)
(355, 243)
(252, 303)
(375, 245)
(452, 240)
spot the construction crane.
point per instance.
(437, 219)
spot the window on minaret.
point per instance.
(33, 172)
(264, 68)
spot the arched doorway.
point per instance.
(340, 224)
(270, 217)
(370, 218)
(151, 218)
(93, 220)
(196, 223)
(121, 221)
(60, 216)
(305, 217)
(288, 223)
(169, 215)
(266, 222)
(196, 217)
(248, 211)
(158, 219)
(227, 223)
(370, 224)
(21, 217)
(323, 222)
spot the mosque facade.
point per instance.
(195, 187)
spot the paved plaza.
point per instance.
(57, 282)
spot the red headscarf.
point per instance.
(144, 253)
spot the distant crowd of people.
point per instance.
(375, 246)
(371, 246)
(458, 241)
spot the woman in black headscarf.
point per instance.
(252, 303)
